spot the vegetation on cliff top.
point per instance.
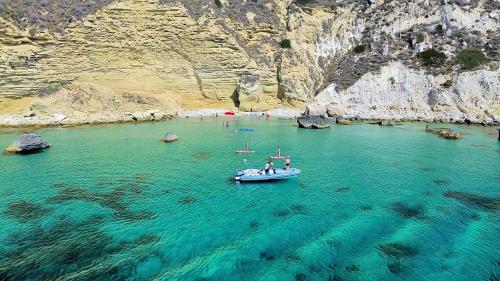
(46, 14)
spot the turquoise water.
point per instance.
(372, 203)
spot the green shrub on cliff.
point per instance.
(218, 3)
(470, 58)
(286, 44)
(432, 57)
(359, 49)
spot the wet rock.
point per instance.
(408, 211)
(169, 137)
(448, 134)
(313, 122)
(397, 250)
(27, 143)
(485, 203)
(343, 121)
(444, 133)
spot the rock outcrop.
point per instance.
(313, 122)
(368, 59)
(170, 137)
(27, 143)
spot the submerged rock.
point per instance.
(486, 203)
(397, 250)
(313, 122)
(408, 211)
(169, 137)
(25, 211)
(27, 143)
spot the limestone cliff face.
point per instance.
(103, 56)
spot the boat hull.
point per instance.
(254, 175)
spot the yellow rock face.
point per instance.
(157, 50)
(132, 48)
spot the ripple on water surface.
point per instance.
(372, 203)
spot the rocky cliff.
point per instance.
(421, 59)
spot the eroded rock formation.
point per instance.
(374, 59)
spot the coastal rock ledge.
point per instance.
(27, 143)
(313, 122)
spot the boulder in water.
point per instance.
(313, 122)
(27, 143)
(343, 121)
(448, 134)
(169, 137)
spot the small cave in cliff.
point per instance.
(235, 97)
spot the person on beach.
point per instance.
(287, 163)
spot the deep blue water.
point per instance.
(373, 203)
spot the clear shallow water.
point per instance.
(373, 203)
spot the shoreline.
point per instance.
(59, 120)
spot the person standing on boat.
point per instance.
(287, 163)
(271, 164)
(267, 167)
